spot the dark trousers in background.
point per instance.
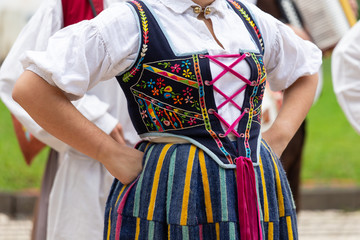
(292, 160)
(41, 208)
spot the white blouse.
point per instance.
(80, 56)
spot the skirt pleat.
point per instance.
(183, 194)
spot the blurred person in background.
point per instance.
(291, 158)
(345, 67)
(78, 185)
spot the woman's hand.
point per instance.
(123, 162)
(117, 134)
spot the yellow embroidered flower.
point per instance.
(187, 73)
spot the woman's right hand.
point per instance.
(124, 163)
(132, 164)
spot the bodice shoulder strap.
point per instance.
(249, 21)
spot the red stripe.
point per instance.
(201, 232)
(121, 208)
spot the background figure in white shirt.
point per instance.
(292, 155)
(345, 67)
(81, 184)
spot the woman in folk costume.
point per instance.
(193, 73)
(72, 182)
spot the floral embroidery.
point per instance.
(178, 99)
(160, 82)
(165, 87)
(186, 64)
(155, 92)
(188, 99)
(187, 91)
(187, 73)
(175, 68)
(143, 114)
(192, 121)
(151, 83)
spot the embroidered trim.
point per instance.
(145, 34)
(250, 21)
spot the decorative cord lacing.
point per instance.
(248, 209)
(228, 99)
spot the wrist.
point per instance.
(279, 135)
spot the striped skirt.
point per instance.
(183, 194)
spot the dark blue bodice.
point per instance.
(168, 96)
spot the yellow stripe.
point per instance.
(217, 227)
(156, 182)
(121, 191)
(186, 195)
(289, 226)
(168, 231)
(137, 233)
(109, 225)
(266, 203)
(271, 231)
(208, 206)
(279, 189)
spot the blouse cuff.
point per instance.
(47, 77)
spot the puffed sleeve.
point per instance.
(345, 67)
(287, 57)
(81, 55)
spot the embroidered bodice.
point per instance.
(170, 95)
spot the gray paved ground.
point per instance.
(313, 225)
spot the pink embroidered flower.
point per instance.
(187, 91)
(192, 121)
(143, 114)
(188, 99)
(175, 68)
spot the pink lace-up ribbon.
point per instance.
(228, 99)
(248, 209)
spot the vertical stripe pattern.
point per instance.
(183, 194)
(156, 182)
(186, 195)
